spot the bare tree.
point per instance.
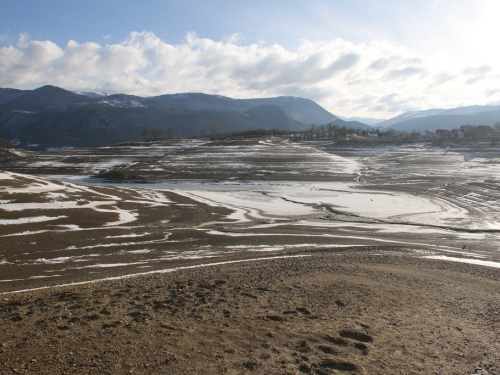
(343, 132)
(330, 130)
(389, 133)
(202, 133)
(312, 131)
(322, 130)
(145, 132)
(169, 132)
(214, 128)
(156, 132)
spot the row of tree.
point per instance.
(329, 131)
(162, 133)
(333, 131)
(157, 132)
(315, 132)
(321, 131)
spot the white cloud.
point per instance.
(375, 79)
(233, 38)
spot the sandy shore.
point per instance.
(368, 312)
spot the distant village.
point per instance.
(473, 131)
(348, 136)
(380, 136)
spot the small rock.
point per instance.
(339, 303)
(105, 311)
(276, 318)
(251, 365)
(17, 318)
(303, 310)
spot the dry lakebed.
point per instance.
(250, 256)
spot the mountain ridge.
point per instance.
(43, 98)
(438, 118)
(50, 116)
(447, 122)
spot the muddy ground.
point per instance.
(366, 312)
(195, 291)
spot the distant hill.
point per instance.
(364, 120)
(53, 117)
(351, 124)
(6, 95)
(410, 115)
(432, 123)
(43, 98)
(273, 117)
(434, 119)
(302, 110)
(101, 124)
(470, 110)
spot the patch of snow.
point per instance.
(6, 176)
(479, 262)
(52, 149)
(92, 94)
(70, 226)
(57, 195)
(24, 112)
(109, 265)
(143, 251)
(59, 260)
(27, 220)
(129, 235)
(42, 276)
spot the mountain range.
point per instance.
(53, 117)
(433, 119)
(365, 120)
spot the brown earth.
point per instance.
(363, 312)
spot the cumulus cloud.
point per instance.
(374, 79)
(477, 70)
(443, 77)
(475, 74)
(381, 63)
(404, 72)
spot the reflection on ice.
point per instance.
(296, 200)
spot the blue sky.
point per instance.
(366, 58)
(277, 21)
